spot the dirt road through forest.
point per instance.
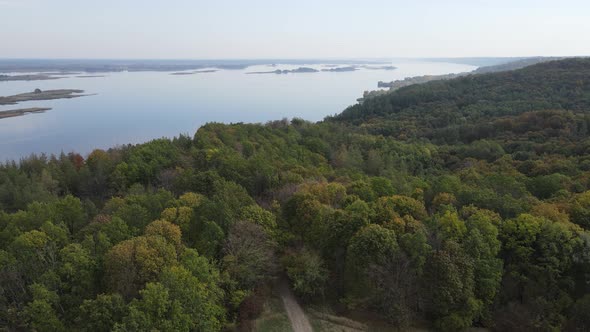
(299, 321)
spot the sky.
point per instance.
(254, 29)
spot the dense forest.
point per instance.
(448, 204)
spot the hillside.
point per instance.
(504, 66)
(446, 110)
(514, 65)
(444, 205)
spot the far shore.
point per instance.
(28, 77)
(195, 72)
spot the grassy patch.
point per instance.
(325, 320)
(273, 318)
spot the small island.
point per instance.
(340, 69)
(22, 111)
(287, 71)
(380, 67)
(195, 72)
(41, 95)
(90, 76)
(38, 94)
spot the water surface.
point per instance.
(134, 107)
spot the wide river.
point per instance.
(134, 107)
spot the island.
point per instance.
(41, 95)
(90, 76)
(22, 111)
(341, 69)
(287, 71)
(38, 94)
(380, 67)
(195, 72)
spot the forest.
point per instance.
(449, 204)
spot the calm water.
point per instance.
(138, 106)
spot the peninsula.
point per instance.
(518, 63)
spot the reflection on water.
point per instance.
(139, 106)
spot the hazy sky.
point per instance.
(198, 29)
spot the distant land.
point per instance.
(63, 66)
(287, 71)
(477, 61)
(90, 76)
(194, 72)
(28, 77)
(380, 67)
(513, 65)
(341, 69)
(41, 95)
(329, 68)
(517, 63)
(99, 65)
(22, 111)
(35, 95)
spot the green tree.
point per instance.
(155, 310)
(40, 313)
(307, 273)
(102, 313)
(70, 211)
(132, 263)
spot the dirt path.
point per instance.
(299, 321)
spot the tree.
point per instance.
(170, 232)
(35, 254)
(539, 272)
(387, 208)
(180, 216)
(260, 216)
(40, 313)
(580, 315)
(304, 213)
(201, 301)
(545, 186)
(102, 313)
(155, 310)
(249, 255)
(70, 211)
(449, 289)
(371, 247)
(132, 263)
(77, 273)
(451, 226)
(580, 210)
(307, 273)
(483, 245)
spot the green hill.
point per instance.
(554, 85)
